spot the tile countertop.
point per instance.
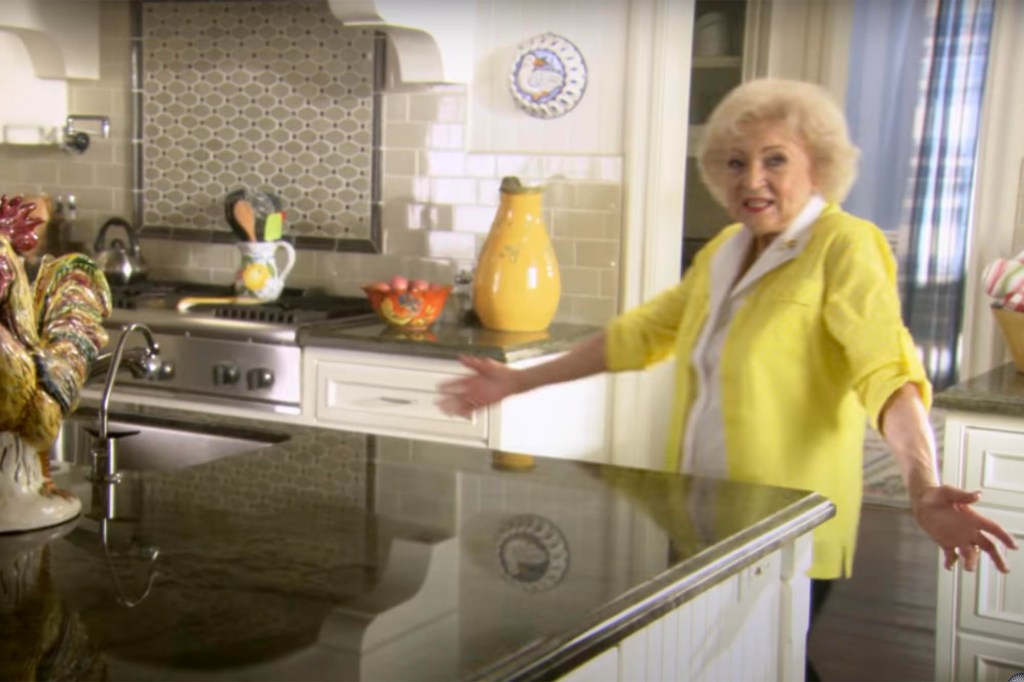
(446, 341)
(336, 555)
(999, 391)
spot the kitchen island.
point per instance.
(325, 554)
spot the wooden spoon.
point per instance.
(246, 218)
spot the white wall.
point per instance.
(998, 229)
(597, 28)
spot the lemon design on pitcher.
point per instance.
(255, 276)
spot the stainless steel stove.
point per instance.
(242, 355)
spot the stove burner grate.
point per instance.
(251, 313)
(296, 309)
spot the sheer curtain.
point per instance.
(886, 64)
(914, 100)
(941, 208)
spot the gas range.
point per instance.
(216, 351)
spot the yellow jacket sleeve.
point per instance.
(862, 311)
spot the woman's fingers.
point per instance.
(466, 395)
(956, 496)
(951, 557)
(970, 556)
(478, 365)
(989, 526)
(984, 544)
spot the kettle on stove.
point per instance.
(120, 264)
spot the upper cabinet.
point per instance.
(43, 43)
(734, 41)
(725, 52)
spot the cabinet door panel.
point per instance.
(988, 660)
(994, 463)
(990, 601)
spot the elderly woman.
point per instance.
(787, 334)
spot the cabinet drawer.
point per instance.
(990, 601)
(390, 401)
(994, 463)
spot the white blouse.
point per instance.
(704, 440)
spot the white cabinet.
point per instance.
(396, 395)
(980, 615)
(752, 626)
(988, 660)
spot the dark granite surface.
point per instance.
(446, 341)
(335, 555)
(998, 391)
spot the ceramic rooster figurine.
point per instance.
(50, 332)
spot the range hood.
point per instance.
(431, 41)
(43, 43)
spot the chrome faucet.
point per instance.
(141, 361)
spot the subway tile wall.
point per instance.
(438, 203)
(439, 199)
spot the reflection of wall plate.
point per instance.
(549, 76)
(532, 552)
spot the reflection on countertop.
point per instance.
(446, 340)
(334, 555)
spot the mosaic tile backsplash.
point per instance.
(274, 96)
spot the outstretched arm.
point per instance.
(942, 511)
(493, 381)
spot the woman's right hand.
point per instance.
(490, 383)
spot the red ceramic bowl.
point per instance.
(408, 309)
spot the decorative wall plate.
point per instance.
(549, 76)
(532, 552)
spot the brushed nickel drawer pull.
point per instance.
(396, 401)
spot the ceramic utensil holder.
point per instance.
(261, 275)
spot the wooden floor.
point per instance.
(880, 624)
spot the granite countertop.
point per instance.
(336, 555)
(999, 391)
(446, 341)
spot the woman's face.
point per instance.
(768, 177)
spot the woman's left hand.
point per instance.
(946, 514)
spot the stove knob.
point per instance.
(166, 371)
(258, 378)
(225, 374)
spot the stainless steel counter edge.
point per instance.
(633, 610)
(412, 349)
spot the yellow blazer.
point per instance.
(814, 351)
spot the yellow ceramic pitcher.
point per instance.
(517, 283)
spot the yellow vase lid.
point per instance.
(510, 184)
